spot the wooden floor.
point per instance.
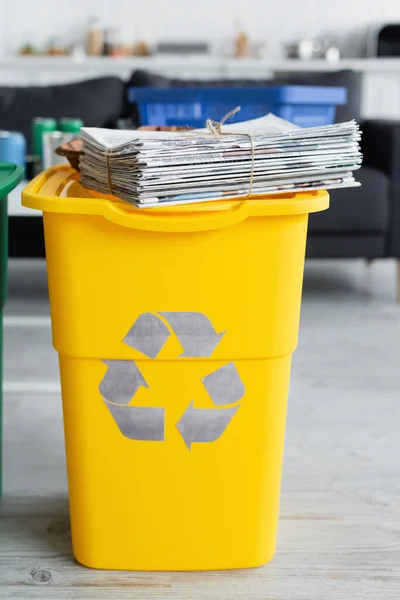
(339, 533)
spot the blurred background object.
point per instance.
(308, 49)
(181, 48)
(384, 40)
(95, 38)
(215, 23)
(242, 45)
(12, 148)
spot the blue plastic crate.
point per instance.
(307, 106)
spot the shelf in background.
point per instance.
(42, 70)
(194, 63)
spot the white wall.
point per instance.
(269, 21)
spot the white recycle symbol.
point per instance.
(123, 378)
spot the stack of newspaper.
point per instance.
(263, 156)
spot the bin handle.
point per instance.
(150, 221)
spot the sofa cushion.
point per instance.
(98, 102)
(356, 210)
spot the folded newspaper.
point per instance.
(262, 156)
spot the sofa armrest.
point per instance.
(381, 149)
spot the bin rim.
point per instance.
(275, 94)
(51, 191)
(10, 176)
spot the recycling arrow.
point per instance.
(195, 333)
(139, 422)
(148, 334)
(204, 424)
(121, 381)
(224, 385)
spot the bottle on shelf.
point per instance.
(95, 38)
(242, 45)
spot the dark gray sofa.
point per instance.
(361, 223)
(99, 102)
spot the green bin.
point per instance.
(10, 176)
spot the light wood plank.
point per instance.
(314, 554)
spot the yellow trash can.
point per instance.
(175, 328)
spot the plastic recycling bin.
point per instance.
(175, 328)
(10, 176)
(306, 106)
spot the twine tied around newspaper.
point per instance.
(214, 128)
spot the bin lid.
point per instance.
(283, 94)
(10, 176)
(58, 190)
